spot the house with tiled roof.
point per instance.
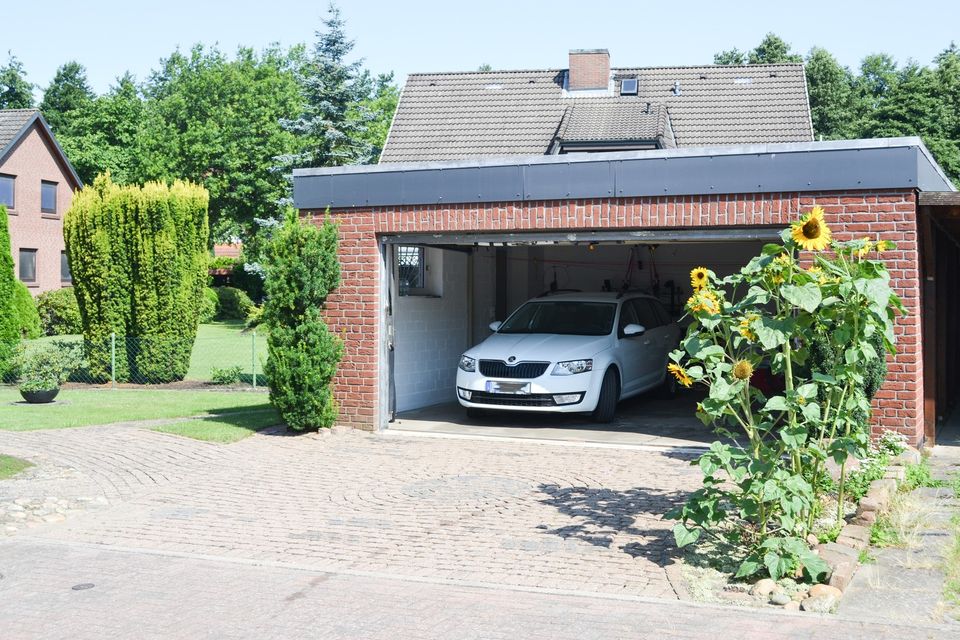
(495, 187)
(592, 107)
(36, 186)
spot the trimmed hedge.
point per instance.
(139, 256)
(209, 306)
(9, 325)
(59, 313)
(25, 310)
(234, 304)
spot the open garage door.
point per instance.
(447, 289)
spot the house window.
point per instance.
(28, 265)
(48, 197)
(65, 276)
(6, 191)
(411, 270)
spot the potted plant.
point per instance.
(43, 367)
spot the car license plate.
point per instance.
(516, 388)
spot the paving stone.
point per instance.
(819, 604)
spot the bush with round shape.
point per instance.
(25, 309)
(303, 354)
(234, 304)
(59, 313)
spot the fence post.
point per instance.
(113, 360)
(253, 357)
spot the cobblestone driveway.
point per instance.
(505, 513)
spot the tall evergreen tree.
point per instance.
(15, 91)
(9, 326)
(335, 121)
(68, 94)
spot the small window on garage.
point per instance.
(28, 265)
(48, 197)
(411, 270)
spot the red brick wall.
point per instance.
(589, 70)
(354, 310)
(31, 161)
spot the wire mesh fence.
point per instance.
(220, 355)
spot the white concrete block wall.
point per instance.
(431, 333)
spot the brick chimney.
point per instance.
(589, 69)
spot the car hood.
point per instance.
(541, 347)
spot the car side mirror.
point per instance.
(634, 330)
(495, 325)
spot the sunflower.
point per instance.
(811, 232)
(704, 300)
(742, 370)
(680, 374)
(745, 329)
(865, 249)
(698, 278)
(818, 273)
(782, 259)
(885, 245)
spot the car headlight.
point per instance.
(468, 364)
(571, 367)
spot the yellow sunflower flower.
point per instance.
(680, 374)
(704, 300)
(818, 273)
(885, 245)
(811, 232)
(782, 259)
(865, 249)
(742, 370)
(745, 329)
(698, 278)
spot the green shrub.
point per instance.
(25, 309)
(138, 255)
(59, 313)
(46, 366)
(229, 375)
(224, 262)
(235, 304)
(209, 306)
(303, 354)
(254, 319)
(9, 327)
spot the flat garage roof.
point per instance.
(884, 163)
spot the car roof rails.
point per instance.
(554, 292)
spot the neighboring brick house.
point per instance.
(481, 201)
(36, 185)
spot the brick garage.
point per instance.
(865, 187)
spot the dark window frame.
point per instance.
(64, 262)
(20, 253)
(46, 211)
(13, 191)
(417, 286)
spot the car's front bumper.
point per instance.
(542, 395)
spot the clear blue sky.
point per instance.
(113, 36)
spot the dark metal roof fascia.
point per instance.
(828, 166)
(49, 133)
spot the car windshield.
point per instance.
(568, 317)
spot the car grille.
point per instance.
(508, 399)
(521, 370)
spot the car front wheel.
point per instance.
(607, 403)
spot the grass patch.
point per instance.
(951, 569)
(909, 515)
(224, 345)
(10, 466)
(223, 429)
(82, 407)
(919, 475)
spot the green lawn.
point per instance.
(223, 429)
(223, 344)
(81, 407)
(10, 466)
